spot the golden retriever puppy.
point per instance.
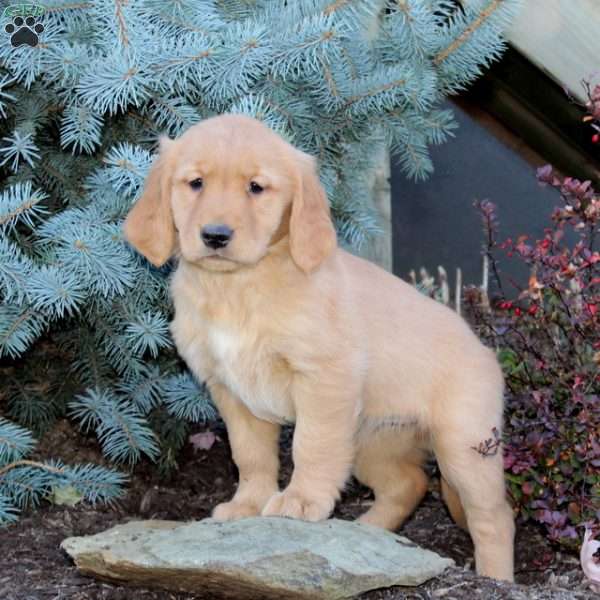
(285, 327)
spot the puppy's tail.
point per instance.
(454, 505)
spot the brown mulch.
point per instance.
(32, 566)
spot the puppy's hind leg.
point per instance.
(478, 479)
(395, 475)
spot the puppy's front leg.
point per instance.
(322, 450)
(255, 449)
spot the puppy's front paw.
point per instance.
(297, 505)
(230, 511)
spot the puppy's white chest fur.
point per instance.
(236, 357)
(225, 340)
(250, 370)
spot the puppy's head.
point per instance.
(225, 192)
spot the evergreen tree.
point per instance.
(83, 318)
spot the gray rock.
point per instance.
(255, 558)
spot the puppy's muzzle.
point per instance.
(216, 236)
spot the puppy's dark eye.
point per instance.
(196, 184)
(255, 188)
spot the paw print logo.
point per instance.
(24, 31)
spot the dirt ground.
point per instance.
(32, 567)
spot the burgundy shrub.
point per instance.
(548, 338)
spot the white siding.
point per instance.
(562, 37)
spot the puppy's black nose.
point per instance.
(216, 236)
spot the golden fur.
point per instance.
(284, 326)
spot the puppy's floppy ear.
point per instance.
(149, 226)
(312, 235)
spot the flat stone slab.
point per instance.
(259, 557)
